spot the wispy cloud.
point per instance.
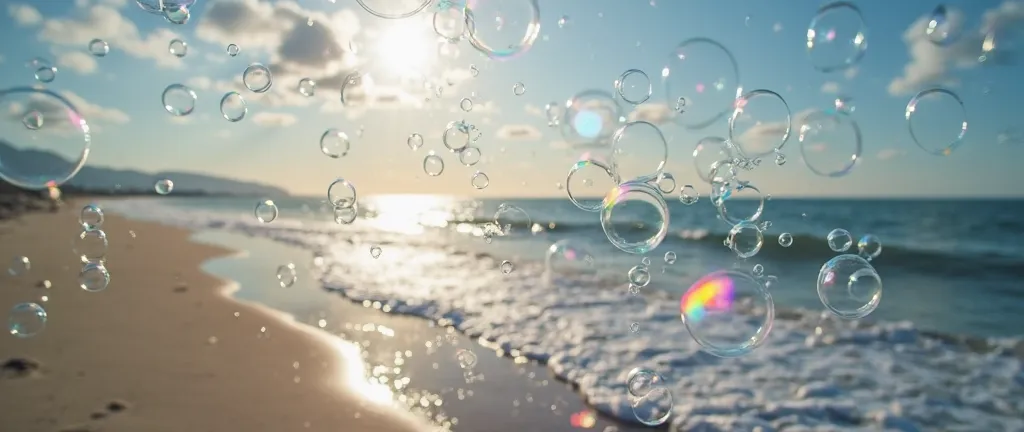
(77, 61)
(889, 153)
(518, 132)
(269, 119)
(107, 23)
(24, 14)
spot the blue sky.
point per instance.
(278, 141)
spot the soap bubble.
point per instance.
(635, 217)
(836, 37)
(729, 313)
(849, 287)
(60, 131)
(703, 79)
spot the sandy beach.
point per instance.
(161, 349)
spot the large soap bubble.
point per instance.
(44, 140)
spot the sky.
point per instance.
(403, 62)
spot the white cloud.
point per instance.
(199, 83)
(830, 87)
(889, 153)
(181, 120)
(535, 110)
(518, 132)
(777, 27)
(24, 15)
(763, 137)
(931, 63)
(851, 73)
(656, 113)
(77, 61)
(105, 22)
(269, 119)
(96, 113)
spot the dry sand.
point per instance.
(140, 356)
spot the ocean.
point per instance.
(943, 350)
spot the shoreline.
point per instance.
(165, 346)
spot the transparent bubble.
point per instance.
(151, 6)
(163, 187)
(553, 112)
(745, 239)
(702, 77)
(591, 117)
(334, 143)
(33, 120)
(450, 24)
(91, 217)
(758, 270)
(466, 104)
(507, 267)
(433, 165)
(937, 120)
(19, 266)
(257, 78)
(709, 151)
(178, 100)
(780, 159)
(729, 313)
(233, 107)
(785, 239)
(90, 245)
(945, 26)
(743, 202)
(511, 219)
(836, 37)
(233, 50)
(587, 182)
(518, 89)
(666, 183)
(635, 217)
(375, 251)
(99, 47)
(830, 143)
(849, 287)
(639, 151)
(455, 136)
(469, 156)
(480, 180)
(760, 124)
(639, 276)
(46, 74)
(839, 240)
(286, 275)
(515, 29)
(341, 193)
(465, 358)
(641, 381)
(415, 141)
(265, 211)
(563, 21)
(670, 257)
(307, 87)
(634, 327)
(869, 247)
(176, 14)
(178, 48)
(688, 195)
(94, 277)
(645, 261)
(474, 71)
(634, 86)
(568, 259)
(844, 104)
(345, 215)
(393, 9)
(26, 320)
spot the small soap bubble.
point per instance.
(518, 89)
(688, 195)
(46, 74)
(164, 187)
(645, 261)
(257, 78)
(177, 14)
(869, 247)
(91, 217)
(286, 275)
(480, 180)
(634, 327)
(233, 107)
(345, 215)
(635, 198)
(758, 270)
(415, 141)
(266, 211)
(178, 100)
(780, 159)
(98, 47)
(563, 21)
(785, 239)
(507, 267)
(466, 104)
(639, 276)
(19, 266)
(26, 320)
(233, 50)
(670, 257)
(634, 86)
(937, 120)
(849, 287)
(375, 252)
(178, 48)
(33, 120)
(90, 245)
(341, 193)
(470, 156)
(466, 358)
(433, 165)
(944, 27)
(307, 87)
(836, 37)
(474, 71)
(334, 143)
(666, 183)
(839, 240)
(94, 277)
(745, 239)
(509, 218)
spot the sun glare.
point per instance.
(405, 49)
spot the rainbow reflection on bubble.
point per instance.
(712, 293)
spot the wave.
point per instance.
(811, 372)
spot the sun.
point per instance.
(404, 49)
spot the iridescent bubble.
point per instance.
(286, 275)
(688, 195)
(178, 100)
(944, 27)
(91, 217)
(760, 124)
(265, 211)
(785, 239)
(869, 247)
(830, 142)
(507, 267)
(518, 25)
(745, 239)
(26, 320)
(164, 186)
(634, 86)
(334, 143)
(98, 48)
(709, 151)
(729, 313)
(469, 156)
(433, 165)
(393, 9)
(257, 78)
(233, 50)
(94, 277)
(415, 141)
(839, 240)
(177, 48)
(639, 276)
(591, 117)
(480, 180)
(345, 215)
(375, 251)
(701, 75)
(307, 87)
(233, 107)
(341, 193)
(519, 89)
(836, 37)
(670, 257)
(635, 217)
(511, 219)
(90, 246)
(849, 287)
(937, 120)
(639, 151)
(19, 266)
(587, 182)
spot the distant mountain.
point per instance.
(100, 179)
